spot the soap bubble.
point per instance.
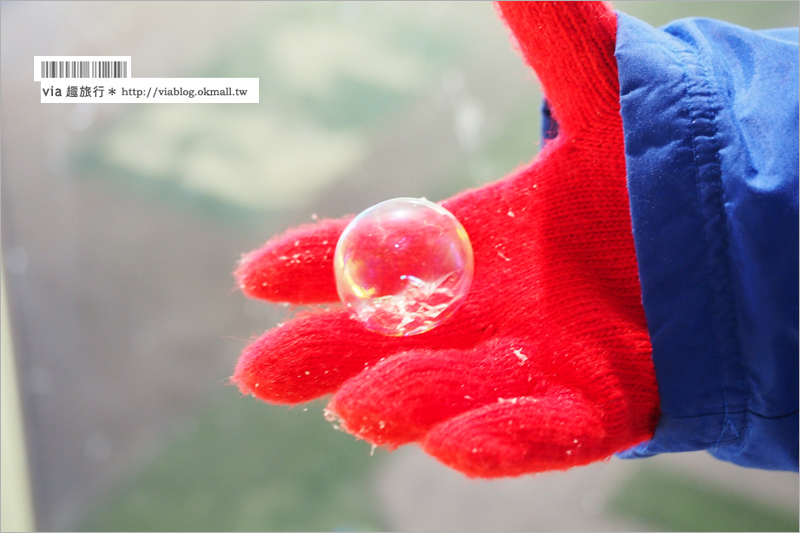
(403, 266)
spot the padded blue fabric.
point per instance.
(710, 115)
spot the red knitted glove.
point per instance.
(547, 364)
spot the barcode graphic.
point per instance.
(84, 69)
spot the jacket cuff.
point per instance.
(713, 196)
(668, 110)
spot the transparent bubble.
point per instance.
(403, 266)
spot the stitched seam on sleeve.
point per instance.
(710, 197)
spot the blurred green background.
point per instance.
(121, 225)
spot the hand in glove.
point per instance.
(547, 364)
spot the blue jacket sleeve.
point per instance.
(710, 117)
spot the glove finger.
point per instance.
(403, 397)
(571, 46)
(294, 267)
(522, 435)
(314, 353)
(306, 357)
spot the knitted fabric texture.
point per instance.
(547, 365)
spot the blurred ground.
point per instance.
(121, 225)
